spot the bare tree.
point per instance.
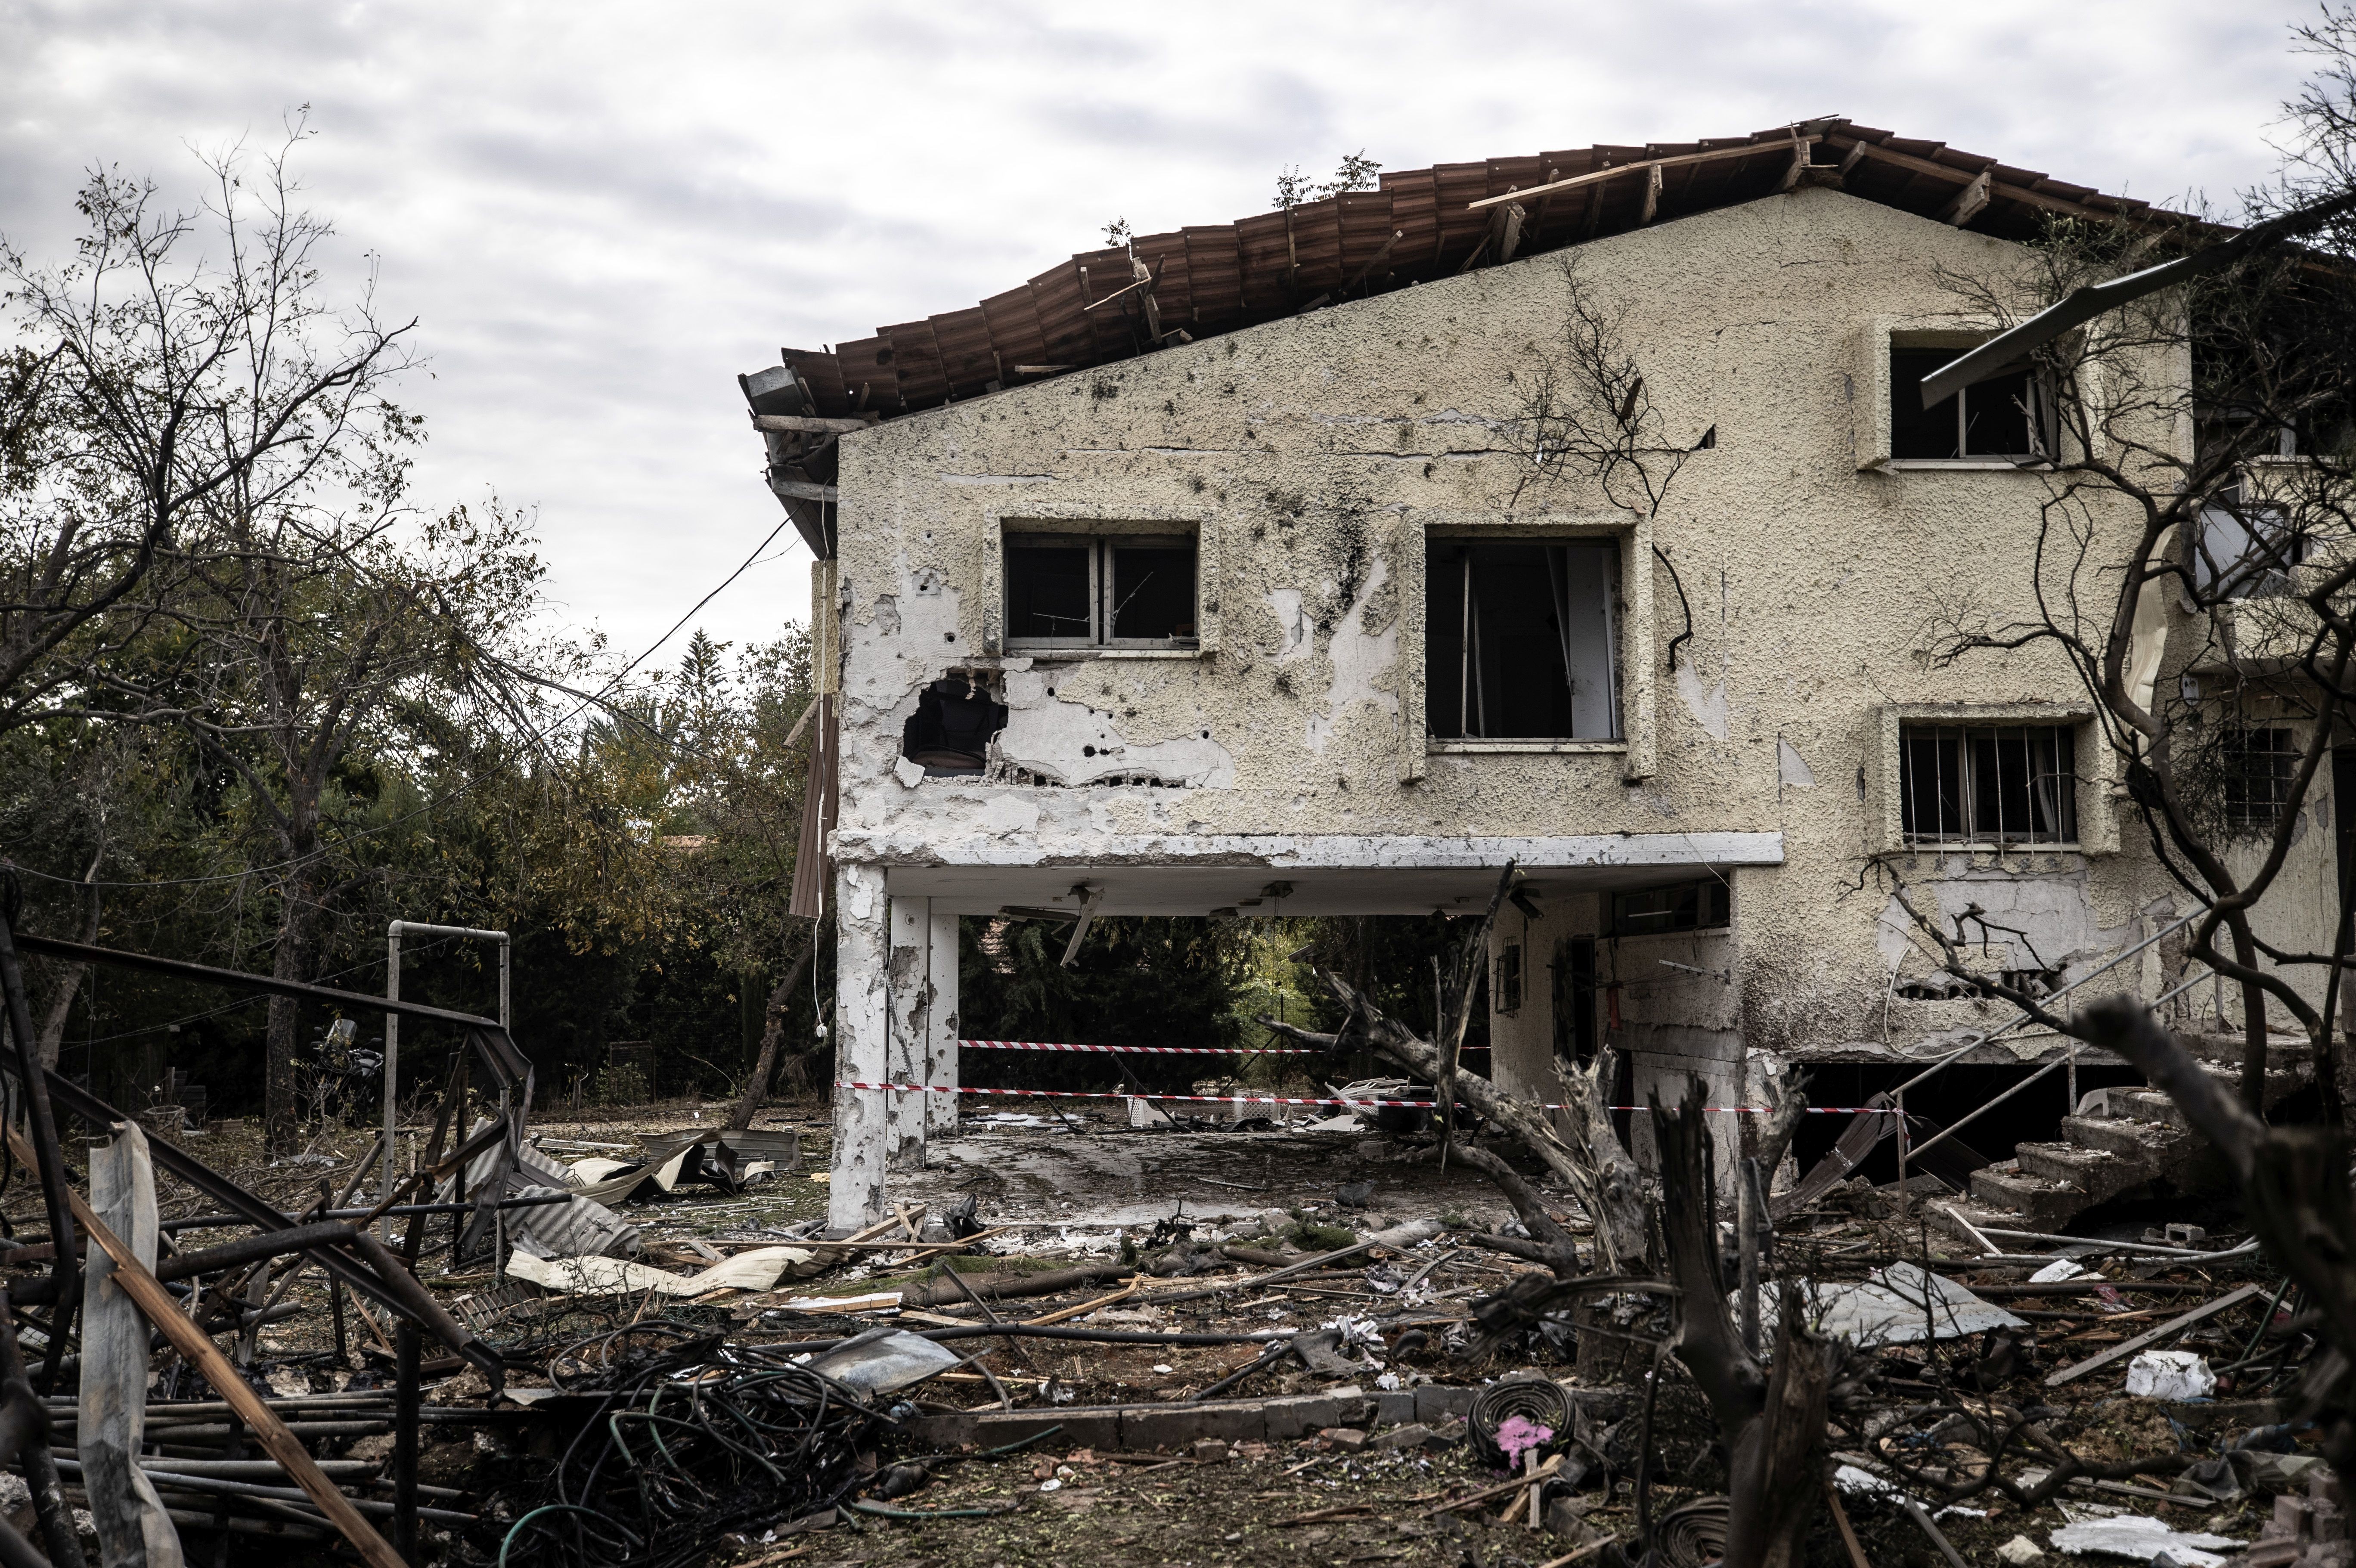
(179, 360)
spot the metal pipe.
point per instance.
(530, 1200)
(2022, 1016)
(2070, 1060)
(39, 1465)
(394, 931)
(251, 1249)
(42, 1123)
(404, 1441)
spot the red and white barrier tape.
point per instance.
(1297, 1100)
(1134, 1049)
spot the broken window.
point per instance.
(2004, 416)
(1508, 987)
(1115, 591)
(1999, 784)
(949, 735)
(1520, 639)
(2259, 766)
(1684, 906)
(2246, 550)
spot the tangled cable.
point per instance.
(692, 1438)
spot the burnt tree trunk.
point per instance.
(1772, 1423)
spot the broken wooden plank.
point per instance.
(1749, 149)
(2152, 1335)
(1486, 1493)
(802, 489)
(1968, 202)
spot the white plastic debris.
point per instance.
(883, 1360)
(2143, 1538)
(2020, 1551)
(1356, 1331)
(1892, 1307)
(758, 1269)
(1864, 1483)
(2054, 1272)
(2170, 1374)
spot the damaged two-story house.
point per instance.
(1228, 573)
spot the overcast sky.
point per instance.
(601, 213)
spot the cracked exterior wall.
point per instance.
(1313, 455)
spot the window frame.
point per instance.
(2038, 425)
(2240, 775)
(1968, 834)
(1713, 908)
(1618, 696)
(1506, 987)
(1100, 546)
(2095, 763)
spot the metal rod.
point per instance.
(2022, 1016)
(404, 1441)
(394, 931)
(2070, 1062)
(43, 1125)
(40, 1465)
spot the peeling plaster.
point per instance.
(1790, 767)
(1071, 743)
(1007, 813)
(1358, 657)
(1709, 708)
(2054, 915)
(1293, 624)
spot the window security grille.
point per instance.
(2259, 764)
(1996, 785)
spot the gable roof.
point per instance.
(1419, 224)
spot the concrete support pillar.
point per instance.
(909, 1046)
(861, 1031)
(941, 1025)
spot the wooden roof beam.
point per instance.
(1858, 151)
(1968, 201)
(1748, 149)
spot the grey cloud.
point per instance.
(603, 214)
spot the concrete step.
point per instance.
(1944, 1212)
(2044, 1205)
(2100, 1174)
(2148, 1105)
(2154, 1146)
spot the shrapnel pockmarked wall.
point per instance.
(1313, 460)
